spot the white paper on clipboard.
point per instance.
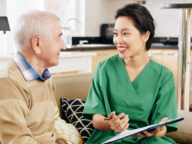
(127, 133)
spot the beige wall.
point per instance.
(98, 12)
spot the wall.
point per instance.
(98, 12)
(64, 9)
(80, 15)
(167, 20)
(67, 9)
(15, 8)
(93, 13)
(3, 8)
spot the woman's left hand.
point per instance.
(154, 132)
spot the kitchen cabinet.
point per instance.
(170, 60)
(101, 55)
(97, 58)
(156, 54)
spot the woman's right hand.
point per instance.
(117, 123)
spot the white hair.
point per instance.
(33, 23)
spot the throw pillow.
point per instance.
(73, 110)
(66, 130)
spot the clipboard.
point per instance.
(128, 133)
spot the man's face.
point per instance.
(50, 49)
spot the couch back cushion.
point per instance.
(71, 86)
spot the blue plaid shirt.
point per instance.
(27, 71)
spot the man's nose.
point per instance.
(63, 46)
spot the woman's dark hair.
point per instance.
(142, 18)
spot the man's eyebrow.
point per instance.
(123, 29)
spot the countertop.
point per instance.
(90, 47)
(62, 55)
(75, 54)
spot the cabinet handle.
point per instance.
(153, 52)
(107, 53)
(149, 54)
(100, 54)
(169, 53)
(176, 54)
(156, 52)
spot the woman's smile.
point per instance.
(122, 49)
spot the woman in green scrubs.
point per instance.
(130, 88)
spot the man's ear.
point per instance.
(146, 36)
(36, 44)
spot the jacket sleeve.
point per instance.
(13, 113)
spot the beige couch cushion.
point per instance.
(184, 133)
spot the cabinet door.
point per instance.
(156, 54)
(170, 60)
(109, 53)
(101, 55)
(96, 59)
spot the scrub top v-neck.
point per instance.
(147, 100)
(143, 70)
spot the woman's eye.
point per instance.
(114, 33)
(125, 33)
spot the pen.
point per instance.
(110, 118)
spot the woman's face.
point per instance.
(127, 38)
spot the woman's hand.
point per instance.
(159, 131)
(117, 123)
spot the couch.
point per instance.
(72, 86)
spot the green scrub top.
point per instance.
(147, 100)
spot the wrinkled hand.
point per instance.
(116, 123)
(151, 133)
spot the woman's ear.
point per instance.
(36, 44)
(146, 36)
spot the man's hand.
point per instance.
(154, 132)
(117, 123)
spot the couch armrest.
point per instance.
(184, 133)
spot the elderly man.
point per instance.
(26, 87)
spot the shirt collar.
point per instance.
(28, 72)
